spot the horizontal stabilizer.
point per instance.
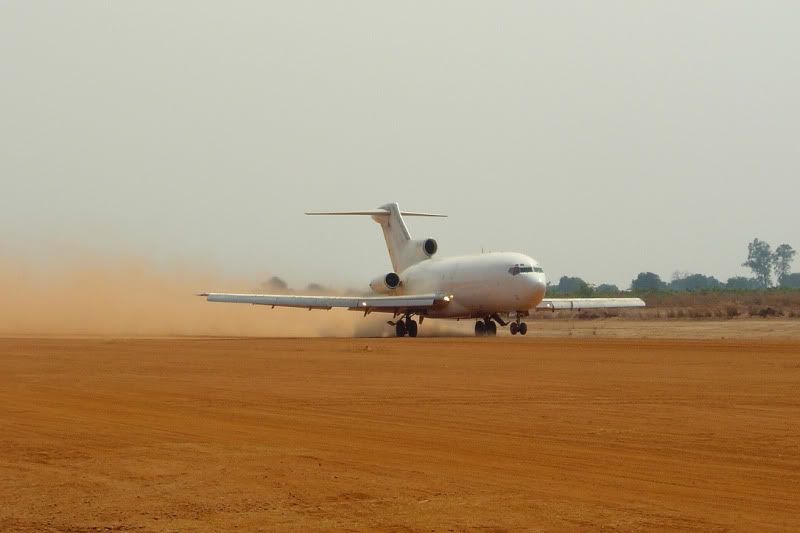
(376, 212)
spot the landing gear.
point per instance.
(411, 327)
(485, 329)
(518, 327)
(405, 327)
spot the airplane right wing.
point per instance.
(396, 304)
(554, 304)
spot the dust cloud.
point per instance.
(133, 297)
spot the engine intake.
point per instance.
(429, 247)
(392, 280)
(384, 284)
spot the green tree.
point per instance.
(782, 261)
(647, 281)
(759, 260)
(742, 283)
(573, 285)
(606, 288)
(791, 281)
(693, 282)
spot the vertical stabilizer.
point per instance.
(396, 234)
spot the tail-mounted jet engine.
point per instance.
(420, 250)
(429, 246)
(384, 284)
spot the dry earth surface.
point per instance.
(216, 434)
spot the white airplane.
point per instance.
(485, 287)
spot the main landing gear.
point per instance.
(486, 328)
(406, 326)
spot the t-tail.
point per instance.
(403, 250)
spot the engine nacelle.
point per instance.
(429, 247)
(386, 283)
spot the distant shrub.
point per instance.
(742, 283)
(790, 281)
(606, 288)
(732, 311)
(693, 282)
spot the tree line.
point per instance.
(770, 268)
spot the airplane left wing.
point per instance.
(555, 304)
(366, 303)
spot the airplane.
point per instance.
(485, 287)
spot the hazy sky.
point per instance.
(602, 138)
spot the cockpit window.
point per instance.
(517, 269)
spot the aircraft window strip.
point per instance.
(519, 269)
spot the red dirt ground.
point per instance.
(398, 434)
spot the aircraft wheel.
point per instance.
(513, 328)
(480, 329)
(411, 328)
(491, 328)
(400, 328)
(523, 328)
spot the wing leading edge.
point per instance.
(366, 304)
(555, 304)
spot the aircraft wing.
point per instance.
(589, 303)
(353, 303)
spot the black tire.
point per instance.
(411, 328)
(491, 328)
(400, 328)
(514, 328)
(480, 329)
(523, 328)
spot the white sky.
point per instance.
(602, 138)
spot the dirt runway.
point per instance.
(398, 434)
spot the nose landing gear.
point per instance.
(518, 327)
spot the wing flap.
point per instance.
(555, 304)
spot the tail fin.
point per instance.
(403, 251)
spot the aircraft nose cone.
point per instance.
(533, 287)
(537, 285)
